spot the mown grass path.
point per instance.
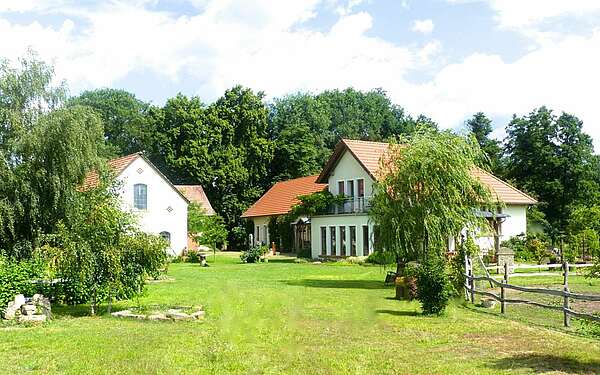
(291, 318)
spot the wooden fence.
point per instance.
(471, 291)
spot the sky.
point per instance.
(446, 59)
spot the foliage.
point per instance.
(529, 248)
(456, 265)
(585, 244)
(315, 203)
(223, 146)
(16, 277)
(433, 286)
(481, 127)
(45, 152)
(127, 126)
(552, 158)
(206, 230)
(383, 258)
(427, 193)
(99, 253)
(254, 254)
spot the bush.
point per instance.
(381, 257)
(254, 254)
(433, 287)
(15, 278)
(193, 256)
(305, 253)
(531, 248)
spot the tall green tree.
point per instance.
(127, 126)
(45, 152)
(554, 159)
(427, 193)
(481, 127)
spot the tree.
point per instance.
(99, 252)
(553, 159)
(45, 152)
(207, 230)
(481, 127)
(427, 193)
(127, 126)
(223, 146)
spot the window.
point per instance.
(257, 235)
(350, 185)
(265, 236)
(140, 196)
(332, 237)
(353, 241)
(166, 236)
(361, 187)
(343, 241)
(365, 240)
(323, 241)
(340, 187)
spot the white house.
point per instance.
(160, 207)
(346, 230)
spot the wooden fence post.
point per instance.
(466, 278)
(566, 306)
(472, 281)
(503, 290)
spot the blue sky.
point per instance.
(444, 58)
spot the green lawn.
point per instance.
(283, 317)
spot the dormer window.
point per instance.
(140, 196)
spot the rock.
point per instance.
(489, 303)
(121, 313)
(28, 309)
(158, 316)
(32, 318)
(19, 301)
(198, 314)
(176, 314)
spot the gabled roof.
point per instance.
(368, 154)
(195, 194)
(282, 196)
(118, 166)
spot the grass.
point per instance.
(282, 317)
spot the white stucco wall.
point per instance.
(160, 196)
(512, 226)
(348, 168)
(261, 223)
(335, 221)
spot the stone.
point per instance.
(19, 301)
(32, 318)
(28, 309)
(177, 315)
(158, 316)
(198, 314)
(489, 303)
(121, 313)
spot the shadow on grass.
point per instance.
(335, 284)
(398, 312)
(546, 363)
(271, 260)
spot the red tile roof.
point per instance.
(368, 154)
(195, 194)
(117, 165)
(282, 196)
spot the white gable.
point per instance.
(348, 168)
(166, 209)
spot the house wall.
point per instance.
(160, 196)
(335, 221)
(261, 227)
(512, 226)
(348, 168)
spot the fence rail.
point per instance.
(566, 294)
(538, 266)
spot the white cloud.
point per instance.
(423, 26)
(527, 13)
(259, 45)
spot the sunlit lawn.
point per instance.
(283, 317)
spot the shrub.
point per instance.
(15, 278)
(254, 254)
(193, 256)
(381, 257)
(305, 253)
(433, 287)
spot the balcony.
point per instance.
(350, 205)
